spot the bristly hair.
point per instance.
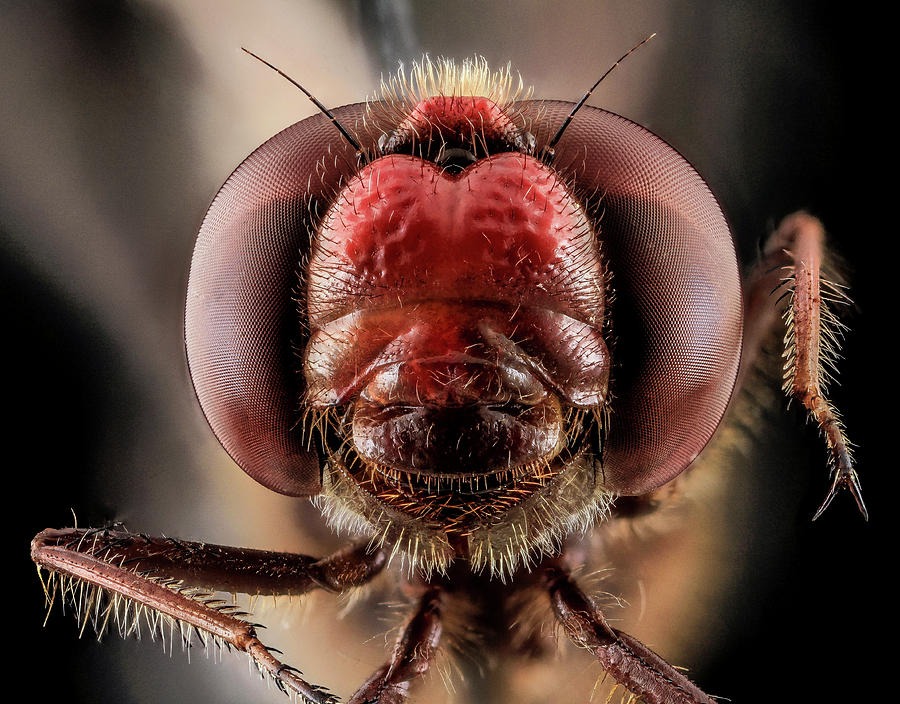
(444, 76)
(826, 338)
(830, 333)
(571, 503)
(105, 609)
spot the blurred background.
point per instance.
(121, 119)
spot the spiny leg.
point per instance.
(116, 575)
(792, 259)
(625, 658)
(413, 654)
(229, 569)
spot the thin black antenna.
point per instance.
(313, 98)
(591, 90)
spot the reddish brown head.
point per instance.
(471, 325)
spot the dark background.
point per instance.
(121, 119)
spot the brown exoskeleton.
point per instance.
(513, 321)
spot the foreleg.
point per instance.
(130, 579)
(792, 263)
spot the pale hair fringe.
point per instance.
(473, 76)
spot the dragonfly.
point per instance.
(472, 327)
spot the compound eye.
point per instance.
(678, 315)
(241, 322)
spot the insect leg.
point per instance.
(625, 658)
(412, 655)
(225, 568)
(792, 263)
(129, 579)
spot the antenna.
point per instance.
(313, 98)
(591, 89)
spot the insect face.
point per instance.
(456, 339)
(459, 348)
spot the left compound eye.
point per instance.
(241, 324)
